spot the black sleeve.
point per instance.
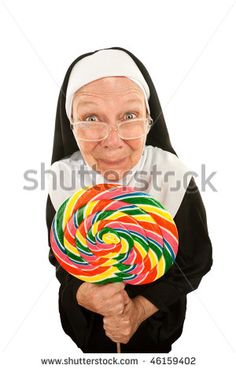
(194, 257)
(74, 318)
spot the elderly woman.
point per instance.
(110, 129)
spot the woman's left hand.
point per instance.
(120, 328)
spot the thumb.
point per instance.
(126, 297)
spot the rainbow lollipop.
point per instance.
(110, 233)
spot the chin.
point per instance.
(113, 174)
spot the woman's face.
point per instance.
(109, 100)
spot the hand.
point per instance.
(108, 299)
(120, 328)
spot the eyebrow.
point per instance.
(131, 101)
(86, 103)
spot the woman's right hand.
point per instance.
(108, 299)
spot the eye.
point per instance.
(130, 115)
(91, 118)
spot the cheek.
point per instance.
(87, 147)
(136, 146)
(87, 150)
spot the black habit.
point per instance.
(194, 259)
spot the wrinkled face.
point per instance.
(109, 100)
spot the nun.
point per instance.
(110, 129)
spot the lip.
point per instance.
(112, 162)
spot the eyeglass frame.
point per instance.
(147, 119)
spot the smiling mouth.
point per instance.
(113, 162)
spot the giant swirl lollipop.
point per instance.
(111, 233)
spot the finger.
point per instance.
(125, 314)
(111, 289)
(112, 322)
(111, 329)
(125, 297)
(114, 332)
(115, 310)
(115, 305)
(113, 337)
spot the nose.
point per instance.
(113, 140)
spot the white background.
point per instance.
(188, 46)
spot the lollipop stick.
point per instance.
(118, 347)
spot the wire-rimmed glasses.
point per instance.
(97, 131)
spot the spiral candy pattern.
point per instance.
(112, 233)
